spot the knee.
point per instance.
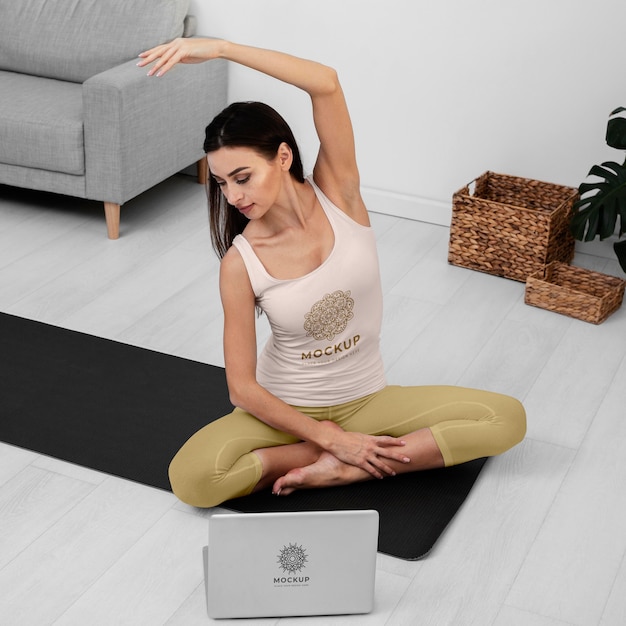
(191, 483)
(514, 420)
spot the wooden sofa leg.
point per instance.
(112, 216)
(203, 171)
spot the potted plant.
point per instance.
(603, 201)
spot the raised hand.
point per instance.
(182, 50)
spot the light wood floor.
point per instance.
(541, 540)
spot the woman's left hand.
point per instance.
(368, 452)
(182, 50)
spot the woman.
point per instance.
(315, 410)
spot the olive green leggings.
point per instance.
(217, 464)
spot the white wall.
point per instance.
(442, 90)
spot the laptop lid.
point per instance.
(302, 563)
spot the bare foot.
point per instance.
(327, 471)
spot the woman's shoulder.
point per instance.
(235, 285)
(232, 264)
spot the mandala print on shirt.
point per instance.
(329, 316)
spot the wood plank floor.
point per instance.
(541, 541)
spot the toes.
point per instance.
(281, 488)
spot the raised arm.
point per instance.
(335, 171)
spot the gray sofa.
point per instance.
(78, 117)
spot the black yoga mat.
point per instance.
(126, 411)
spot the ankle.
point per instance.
(277, 461)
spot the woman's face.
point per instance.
(247, 179)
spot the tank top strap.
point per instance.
(259, 278)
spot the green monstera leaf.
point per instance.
(601, 203)
(616, 129)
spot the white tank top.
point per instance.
(325, 344)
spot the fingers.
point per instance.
(378, 466)
(386, 451)
(164, 62)
(387, 440)
(150, 55)
(381, 471)
(181, 50)
(166, 56)
(370, 453)
(382, 468)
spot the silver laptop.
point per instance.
(291, 564)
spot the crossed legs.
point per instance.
(325, 470)
(238, 454)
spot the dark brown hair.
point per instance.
(244, 124)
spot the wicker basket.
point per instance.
(575, 291)
(511, 226)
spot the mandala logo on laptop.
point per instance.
(292, 558)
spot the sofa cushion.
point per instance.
(41, 123)
(75, 39)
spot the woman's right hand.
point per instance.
(182, 50)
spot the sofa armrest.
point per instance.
(140, 130)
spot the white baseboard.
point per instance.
(438, 212)
(409, 207)
(599, 248)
